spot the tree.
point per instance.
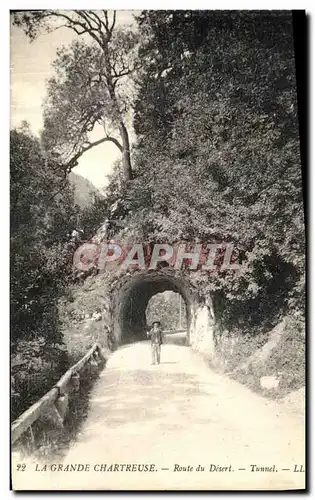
(40, 264)
(40, 225)
(88, 90)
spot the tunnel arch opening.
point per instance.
(170, 309)
(132, 299)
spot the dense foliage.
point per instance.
(88, 91)
(168, 308)
(217, 156)
(43, 216)
(40, 221)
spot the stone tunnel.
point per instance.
(132, 296)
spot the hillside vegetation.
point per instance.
(84, 190)
(212, 96)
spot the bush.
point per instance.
(36, 366)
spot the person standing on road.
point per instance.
(156, 341)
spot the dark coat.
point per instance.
(156, 336)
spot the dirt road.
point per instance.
(172, 418)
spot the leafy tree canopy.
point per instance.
(217, 157)
(88, 91)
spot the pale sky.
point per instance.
(30, 68)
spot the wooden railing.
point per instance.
(54, 404)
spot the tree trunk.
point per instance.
(122, 129)
(126, 152)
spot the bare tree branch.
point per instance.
(109, 29)
(98, 19)
(89, 28)
(72, 23)
(85, 16)
(94, 19)
(74, 161)
(106, 19)
(122, 73)
(114, 22)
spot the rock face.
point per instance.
(202, 339)
(261, 355)
(269, 383)
(272, 363)
(86, 317)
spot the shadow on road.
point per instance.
(140, 395)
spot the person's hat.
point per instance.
(156, 322)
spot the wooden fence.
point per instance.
(54, 404)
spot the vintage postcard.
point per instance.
(157, 251)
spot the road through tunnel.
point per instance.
(133, 297)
